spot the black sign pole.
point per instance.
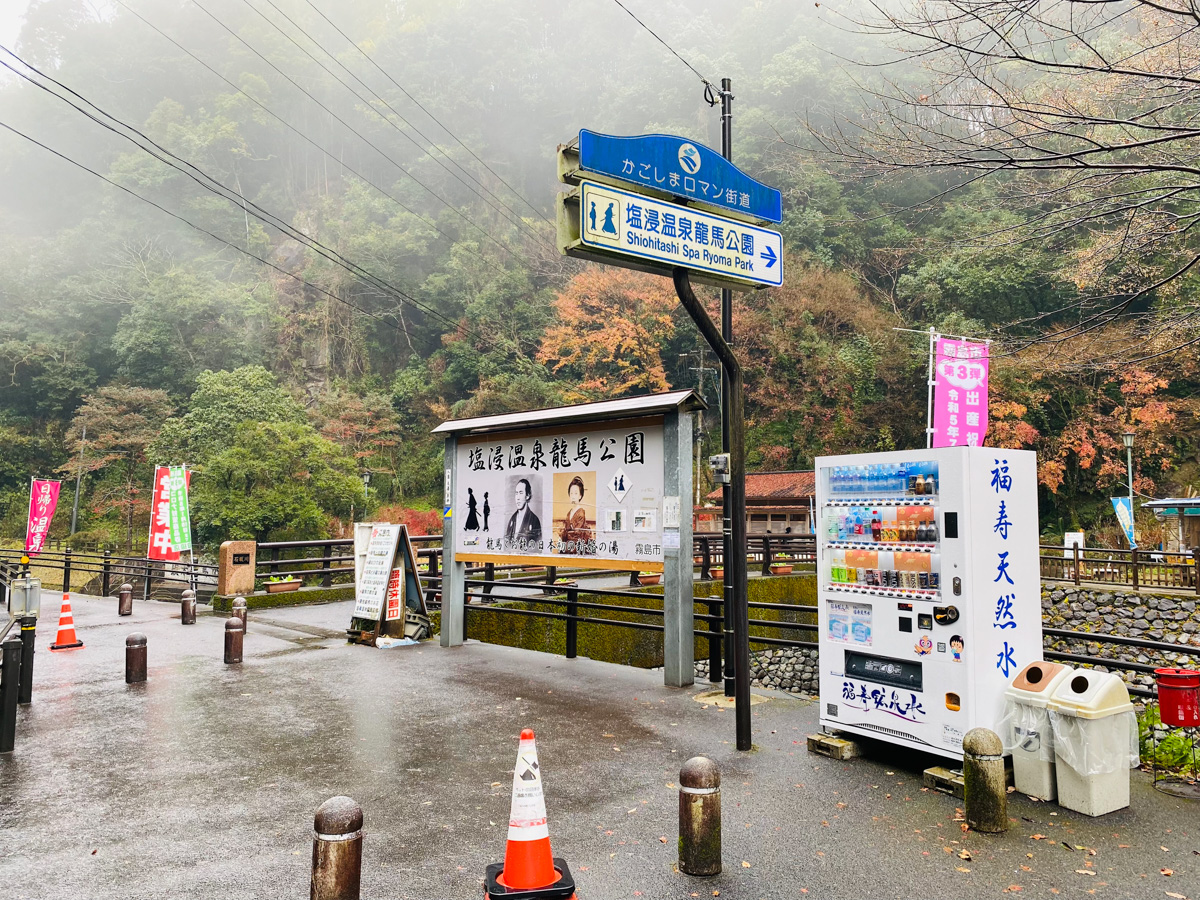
(728, 510)
(735, 564)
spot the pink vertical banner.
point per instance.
(960, 394)
(43, 500)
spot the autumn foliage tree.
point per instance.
(612, 327)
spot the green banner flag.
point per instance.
(179, 516)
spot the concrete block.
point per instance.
(832, 746)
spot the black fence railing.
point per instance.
(105, 572)
(1135, 569)
(599, 605)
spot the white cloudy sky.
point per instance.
(11, 13)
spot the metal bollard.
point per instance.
(125, 600)
(187, 607)
(10, 673)
(985, 794)
(233, 639)
(337, 850)
(239, 610)
(28, 639)
(700, 817)
(135, 658)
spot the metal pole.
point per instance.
(78, 478)
(28, 640)
(735, 562)
(726, 413)
(1129, 473)
(929, 399)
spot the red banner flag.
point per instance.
(43, 500)
(159, 546)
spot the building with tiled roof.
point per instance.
(776, 503)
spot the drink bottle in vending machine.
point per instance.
(929, 590)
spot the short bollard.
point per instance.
(187, 607)
(239, 610)
(337, 850)
(10, 672)
(135, 658)
(700, 817)
(233, 639)
(125, 600)
(985, 793)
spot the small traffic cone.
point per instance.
(66, 628)
(528, 870)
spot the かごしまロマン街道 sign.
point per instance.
(677, 167)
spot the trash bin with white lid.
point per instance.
(1025, 728)
(1095, 742)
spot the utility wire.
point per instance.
(216, 187)
(204, 230)
(350, 128)
(708, 84)
(509, 214)
(328, 155)
(423, 109)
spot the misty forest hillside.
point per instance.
(312, 230)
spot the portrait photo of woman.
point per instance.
(574, 511)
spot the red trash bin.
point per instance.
(1178, 697)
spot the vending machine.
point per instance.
(929, 590)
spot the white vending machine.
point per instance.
(929, 590)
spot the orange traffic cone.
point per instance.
(66, 628)
(528, 870)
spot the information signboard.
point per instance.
(666, 235)
(577, 496)
(679, 168)
(376, 571)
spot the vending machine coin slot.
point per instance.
(945, 615)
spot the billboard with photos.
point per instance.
(584, 496)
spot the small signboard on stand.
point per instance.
(386, 588)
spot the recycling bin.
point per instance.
(1025, 728)
(1095, 742)
(1178, 697)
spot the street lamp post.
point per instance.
(1127, 437)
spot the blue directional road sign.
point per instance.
(681, 168)
(669, 235)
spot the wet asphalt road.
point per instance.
(203, 782)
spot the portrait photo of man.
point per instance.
(524, 525)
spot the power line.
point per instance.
(350, 128)
(708, 84)
(216, 187)
(503, 209)
(423, 109)
(328, 155)
(204, 230)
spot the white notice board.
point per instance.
(372, 587)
